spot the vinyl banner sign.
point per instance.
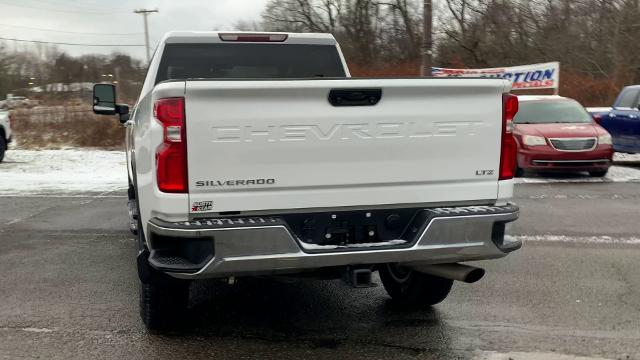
(536, 76)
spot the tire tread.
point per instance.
(419, 290)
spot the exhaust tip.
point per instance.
(474, 276)
(458, 272)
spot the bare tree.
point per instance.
(370, 31)
(593, 39)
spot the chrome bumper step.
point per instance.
(266, 245)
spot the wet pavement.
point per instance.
(68, 290)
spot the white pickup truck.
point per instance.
(254, 154)
(5, 131)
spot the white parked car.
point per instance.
(256, 154)
(17, 101)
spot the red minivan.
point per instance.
(555, 133)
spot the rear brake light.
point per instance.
(508, 152)
(254, 37)
(171, 155)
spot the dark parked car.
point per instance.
(557, 134)
(622, 120)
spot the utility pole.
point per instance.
(145, 13)
(427, 42)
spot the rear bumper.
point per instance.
(262, 246)
(549, 159)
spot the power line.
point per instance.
(73, 44)
(70, 32)
(62, 11)
(88, 3)
(80, 6)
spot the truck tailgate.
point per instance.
(281, 145)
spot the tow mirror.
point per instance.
(104, 99)
(104, 102)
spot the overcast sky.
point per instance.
(87, 21)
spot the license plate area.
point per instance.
(347, 228)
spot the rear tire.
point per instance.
(519, 172)
(598, 173)
(413, 289)
(163, 299)
(131, 192)
(3, 146)
(163, 303)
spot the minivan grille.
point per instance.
(574, 144)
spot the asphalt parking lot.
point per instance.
(70, 291)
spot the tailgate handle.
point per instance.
(355, 97)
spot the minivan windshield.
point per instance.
(249, 61)
(551, 111)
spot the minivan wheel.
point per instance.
(413, 289)
(598, 173)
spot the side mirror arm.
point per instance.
(123, 113)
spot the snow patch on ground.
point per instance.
(35, 172)
(622, 158)
(78, 171)
(37, 330)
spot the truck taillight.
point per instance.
(509, 148)
(171, 155)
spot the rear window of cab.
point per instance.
(249, 61)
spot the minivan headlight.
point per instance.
(531, 140)
(604, 139)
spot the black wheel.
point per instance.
(163, 304)
(519, 171)
(413, 289)
(598, 173)
(3, 147)
(131, 192)
(163, 299)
